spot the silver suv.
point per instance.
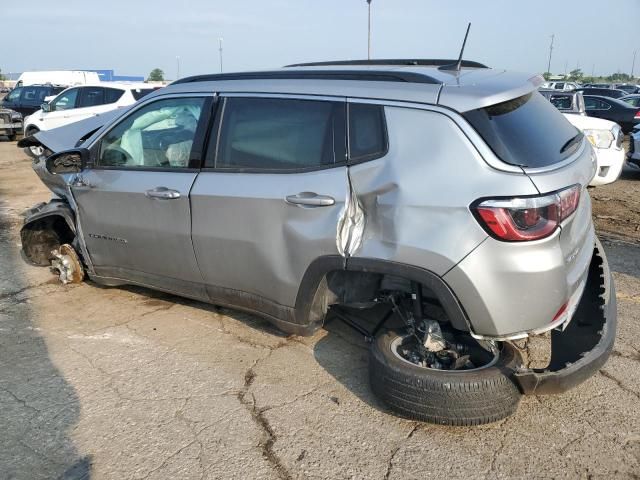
(442, 212)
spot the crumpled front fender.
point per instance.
(55, 207)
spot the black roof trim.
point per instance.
(425, 62)
(360, 75)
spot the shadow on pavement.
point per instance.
(39, 408)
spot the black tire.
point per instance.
(444, 397)
(12, 138)
(37, 245)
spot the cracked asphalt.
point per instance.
(126, 383)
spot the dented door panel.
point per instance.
(411, 215)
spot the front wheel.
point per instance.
(34, 152)
(483, 392)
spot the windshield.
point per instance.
(527, 131)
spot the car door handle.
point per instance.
(310, 199)
(162, 193)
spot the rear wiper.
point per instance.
(572, 141)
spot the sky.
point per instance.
(133, 37)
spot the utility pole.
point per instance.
(633, 65)
(220, 50)
(369, 31)
(177, 68)
(566, 67)
(550, 52)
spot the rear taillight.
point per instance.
(637, 117)
(523, 219)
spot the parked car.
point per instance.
(630, 89)
(441, 215)
(617, 111)
(10, 123)
(633, 100)
(77, 103)
(605, 136)
(566, 102)
(603, 92)
(597, 85)
(564, 86)
(633, 156)
(26, 100)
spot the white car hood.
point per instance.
(583, 122)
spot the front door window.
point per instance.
(158, 135)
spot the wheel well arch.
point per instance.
(315, 292)
(31, 130)
(53, 217)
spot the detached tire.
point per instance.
(463, 398)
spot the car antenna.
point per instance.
(458, 65)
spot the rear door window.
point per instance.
(91, 96)
(367, 132)
(32, 95)
(527, 131)
(595, 104)
(278, 134)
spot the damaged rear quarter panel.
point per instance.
(416, 198)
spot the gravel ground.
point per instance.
(127, 383)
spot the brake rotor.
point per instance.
(68, 264)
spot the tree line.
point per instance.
(578, 75)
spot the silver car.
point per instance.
(442, 212)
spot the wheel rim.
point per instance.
(399, 342)
(37, 151)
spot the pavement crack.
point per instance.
(619, 383)
(159, 309)
(15, 293)
(19, 400)
(261, 421)
(394, 452)
(635, 357)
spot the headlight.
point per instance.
(15, 116)
(599, 138)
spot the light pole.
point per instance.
(177, 67)
(550, 52)
(220, 50)
(633, 65)
(369, 31)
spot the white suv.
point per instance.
(80, 102)
(605, 136)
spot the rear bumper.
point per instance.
(585, 345)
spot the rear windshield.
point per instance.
(527, 131)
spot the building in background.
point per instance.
(110, 76)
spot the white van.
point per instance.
(58, 77)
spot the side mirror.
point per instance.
(45, 107)
(69, 161)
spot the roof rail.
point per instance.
(361, 75)
(426, 62)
